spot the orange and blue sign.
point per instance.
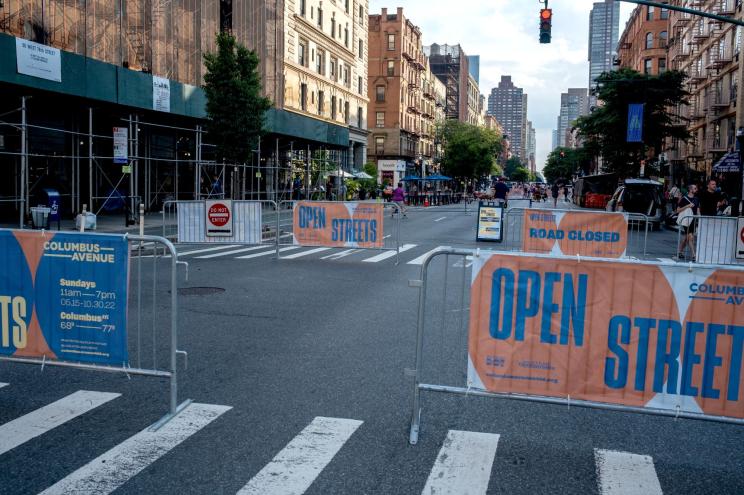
(63, 296)
(593, 234)
(352, 225)
(638, 334)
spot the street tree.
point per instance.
(511, 166)
(605, 129)
(470, 151)
(235, 105)
(521, 174)
(564, 163)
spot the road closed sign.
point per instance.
(740, 239)
(219, 218)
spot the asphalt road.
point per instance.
(330, 335)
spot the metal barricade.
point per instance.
(195, 222)
(710, 240)
(151, 338)
(287, 240)
(444, 342)
(638, 226)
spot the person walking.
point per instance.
(686, 221)
(399, 198)
(711, 199)
(501, 193)
(554, 191)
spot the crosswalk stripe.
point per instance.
(294, 469)
(338, 256)
(622, 473)
(207, 250)
(420, 259)
(228, 253)
(440, 219)
(464, 463)
(388, 254)
(267, 253)
(44, 419)
(109, 471)
(306, 253)
(3, 384)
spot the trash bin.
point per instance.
(53, 201)
(40, 217)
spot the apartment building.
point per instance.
(574, 104)
(644, 43)
(508, 103)
(451, 65)
(708, 51)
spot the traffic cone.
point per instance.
(426, 201)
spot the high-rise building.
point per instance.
(508, 104)
(531, 147)
(574, 104)
(604, 31)
(644, 43)
(474, 67)
(450, 64)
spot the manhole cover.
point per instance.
(200, 291)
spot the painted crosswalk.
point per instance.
(40, 421)
(389, 254)
(465, 462)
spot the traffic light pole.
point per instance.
(684, 10)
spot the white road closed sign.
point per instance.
(740, 239)
(219, 218)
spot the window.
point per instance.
(649, 40)
(361, 14)
(346, 5)
(320, 62)
(302, 53)
(662, 65)
(333, 107)
(649, 13)
(360, 117)
(320, 18)
(664, 14)
(391, 42)
(361, 86)
(302, 8)
(347, 79)
(303, 96)
(321, 102)
(663, 38)
(379, 145)
(333, 68)
(647, 66)
(361, 48)
(333, 27)
(346, 36)
(391, 68)
(346, 112)
(380, 119)
(380, 93)
(339, 31)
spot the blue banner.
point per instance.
(635, 123)
(64, 296)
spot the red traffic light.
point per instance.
(546, 14)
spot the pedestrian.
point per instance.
(501, 193)
(342, 191)
(296, 188)
(675, 194)
(565, 193)
(414, 194)
(711, 199)
(399, 197)
(554, 192)
(688, 208)
(329, 190)
(216, 191)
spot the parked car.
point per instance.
(642, 196)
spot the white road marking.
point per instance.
(420, 259)
(3, 384)
(44, 419)
(387, 236)
(669, 260)
(306, 253)
(267, 253)
(112, 469)
(208, 250)
(228, 253)
(338, 256)
(622, 473)
(464, 463)
(294, 469)
(440, 219)
(388, 254)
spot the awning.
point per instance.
(729, 163)
(412, 177)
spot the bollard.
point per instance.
(82, 218)
(141, 219)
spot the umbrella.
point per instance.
(412, 177)
(342, 173)
(438, 177)
(729, 163)
(363, 175)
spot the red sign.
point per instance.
(219, 218)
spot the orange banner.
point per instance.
(599, 235)
(354, 225)
(635, 334)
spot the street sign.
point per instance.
(740, 239)
(121, 145)
(635, 123)
(490, 222)
(219, 218)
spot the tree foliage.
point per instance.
(235, 105)
(521, 174)
(605, 129)
(470, 151)
(564, 163)
(512, 165)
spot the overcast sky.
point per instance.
(505, 35)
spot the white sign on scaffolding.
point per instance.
(121, 146)
(37, 60)
(160, 94)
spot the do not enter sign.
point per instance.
(219, 218)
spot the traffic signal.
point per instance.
(546, 22)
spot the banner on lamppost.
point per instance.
(635, 123)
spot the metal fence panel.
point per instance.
(709, 240)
